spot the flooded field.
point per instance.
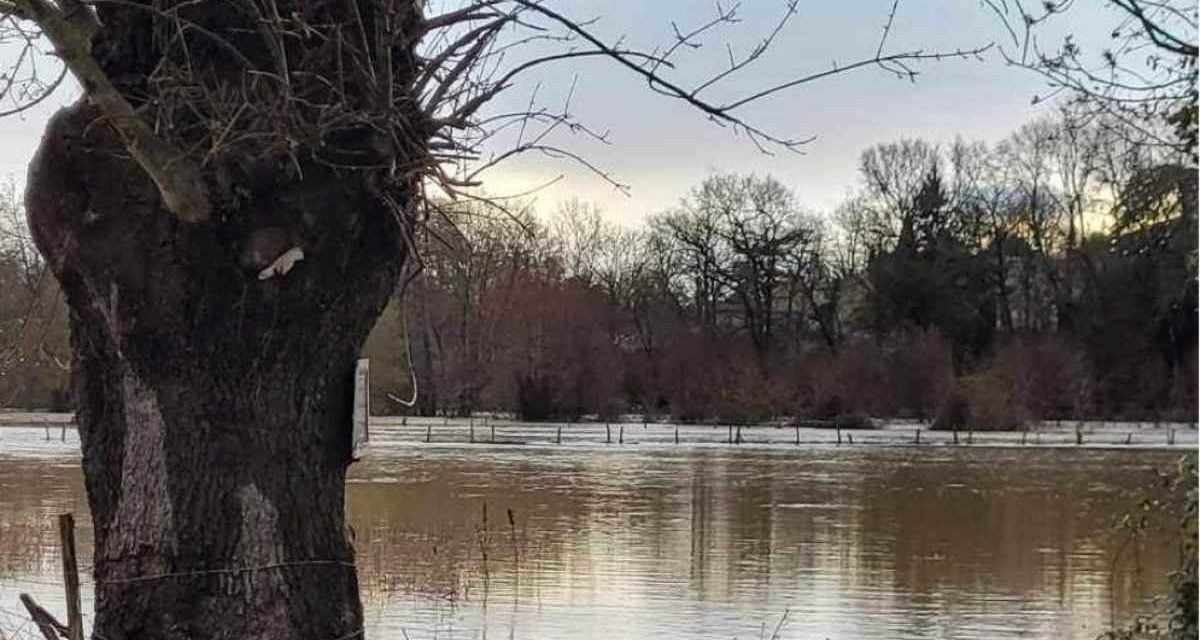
(529, 539)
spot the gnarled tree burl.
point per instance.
(228, 209)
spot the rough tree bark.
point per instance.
(213, 408)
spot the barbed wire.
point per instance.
(227, 571)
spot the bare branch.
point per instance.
(472, 12)
(1161, 37)
(724, 112)
(45, 93)
(176, 176)
(1145, 80)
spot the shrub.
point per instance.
(985, 402)
(853, 420)
(919, 371)
(535, 398)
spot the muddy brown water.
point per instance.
(631, 542)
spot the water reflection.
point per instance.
(711, 543)
(527, 542)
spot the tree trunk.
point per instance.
(213, 407)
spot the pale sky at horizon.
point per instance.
(661, 148)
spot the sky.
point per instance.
(661, 148)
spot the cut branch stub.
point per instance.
(177, 177)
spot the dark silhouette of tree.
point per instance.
(930, 280)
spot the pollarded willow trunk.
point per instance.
(213, 407)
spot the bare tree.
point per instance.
(579, 234)
(892, 175)
(33, 350)
(228, 209)
(741, 236)
(816, 281)
(705, 278)
(757, 222)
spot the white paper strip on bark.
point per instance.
(362, 405)
(283, 263)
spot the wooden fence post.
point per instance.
(66, 532)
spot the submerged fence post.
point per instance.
(607, 433)
(66, 531)
(558, 435)
(676, 435)
(1171, 437)
(493, 434)
(472, 432)
(955, 436)
(1024, 435)
(797, 435)
(739, 435)
(429, 433)
(839, 434)
(1078, 435)
(621, 435)
(917, 436)
(1129, 438)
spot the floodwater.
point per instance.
(586, 540)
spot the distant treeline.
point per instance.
(34, 342)
(1052, 275)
